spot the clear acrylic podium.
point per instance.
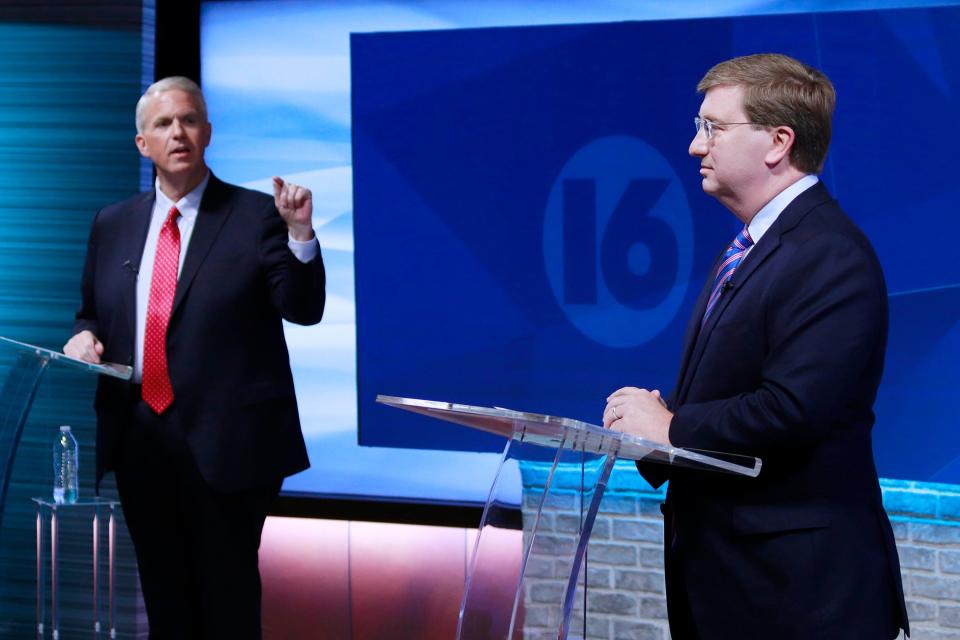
(49, 518)
(529, 437)
(24, 366)
(19, 389)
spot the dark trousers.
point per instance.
(679, 614)
(197, 549)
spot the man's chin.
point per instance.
(183, 167)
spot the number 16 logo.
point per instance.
(617, 241)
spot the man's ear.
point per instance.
(141, 143)
(207, 135)
(783, 139)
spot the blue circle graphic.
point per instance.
(618, 241)
(639, 258)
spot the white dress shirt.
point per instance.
(188, 206)
(772, 210)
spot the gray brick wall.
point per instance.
(624, 566)
(926, 523)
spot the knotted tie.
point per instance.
(157, 391)
(731, 260)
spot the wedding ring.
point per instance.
(615, 414)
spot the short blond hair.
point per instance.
(781, 91)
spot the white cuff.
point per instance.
(304, 251)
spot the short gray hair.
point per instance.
(168, 84)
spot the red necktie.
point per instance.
(157, 391)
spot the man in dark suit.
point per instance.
(782, 358)
(189, 283)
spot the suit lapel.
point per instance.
(135, 228)
(767, 246)
(693, 329)
(214, 210)
(761, 251)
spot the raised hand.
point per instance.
(295, 204)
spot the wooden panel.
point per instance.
(305, 573)
(406, 581)
(496, 579)
(339, 580)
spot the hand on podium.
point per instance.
(84, 346)
(638, 412)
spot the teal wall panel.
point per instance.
(67, 94)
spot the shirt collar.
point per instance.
(772, 210)
(188, 205)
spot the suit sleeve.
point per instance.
(825, 319)
(86, 316)
(297, 289)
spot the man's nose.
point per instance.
(177, 127)
(698, 146)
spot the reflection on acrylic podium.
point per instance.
(25, 365)
(19, 389)
(552, 571)
(73, 519)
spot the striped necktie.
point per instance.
(731, 260)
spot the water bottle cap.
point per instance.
(65, 428)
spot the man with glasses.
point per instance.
(781, 360)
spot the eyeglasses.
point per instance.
(711, 128)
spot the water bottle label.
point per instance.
(65, 463)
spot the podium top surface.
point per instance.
(83, 503)
(121, 371)
(575, 435)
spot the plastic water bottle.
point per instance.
(66, 460)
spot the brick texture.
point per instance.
(624, 559)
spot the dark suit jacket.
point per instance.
(227, 357)
(786, 369)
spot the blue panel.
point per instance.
(277, 79)
(530, 232)
(464, 184)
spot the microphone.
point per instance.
(726, 286)
(129, 267)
